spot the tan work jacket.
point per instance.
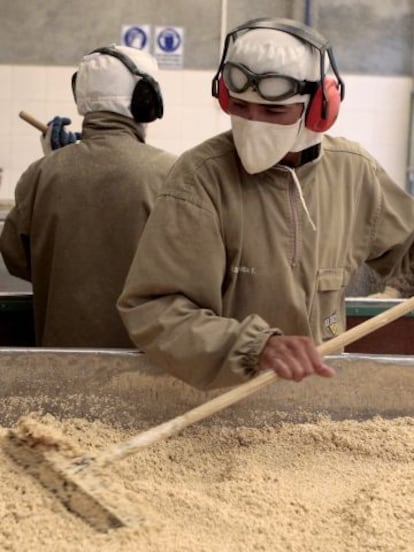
(78, 215)
(227, 256)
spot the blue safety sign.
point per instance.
(169, 40)
(169, 46)
(136, 36)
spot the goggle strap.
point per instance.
(214, 85)
(309, 87)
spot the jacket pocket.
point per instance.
(328, 309)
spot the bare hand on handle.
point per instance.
(293, 358)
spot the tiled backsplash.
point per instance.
(375, 113)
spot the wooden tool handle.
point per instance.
(33, 121)
(220, 402)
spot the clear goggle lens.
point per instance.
(270, 86)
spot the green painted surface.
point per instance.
(16, 302)
(367, 309)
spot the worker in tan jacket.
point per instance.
(80, 211)
(266, 223)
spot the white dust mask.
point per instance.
(261, 145)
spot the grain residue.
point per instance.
(323, 487)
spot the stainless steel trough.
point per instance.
(121, 387)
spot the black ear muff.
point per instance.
(223, 95)
(146, 100)
(324, 106)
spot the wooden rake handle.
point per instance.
(33, 121)
(171, 427)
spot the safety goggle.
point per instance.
(270, 86)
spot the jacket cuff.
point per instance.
(251, 357)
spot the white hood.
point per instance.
(104, 83)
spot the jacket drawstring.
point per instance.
(300, 192)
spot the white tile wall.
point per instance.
(375, 113)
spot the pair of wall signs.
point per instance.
(166, 44)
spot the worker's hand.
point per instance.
(293, 358)
(388, 293)
(56, 136)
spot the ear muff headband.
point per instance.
(146, 100)
(73, 84)
(324, 106)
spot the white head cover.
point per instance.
(104, 83)
(269, 50)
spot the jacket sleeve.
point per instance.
(171, 304)
(15, 237)
(392, 249)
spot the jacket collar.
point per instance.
(97, 122)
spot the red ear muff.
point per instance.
(223, 95)
(321, 114)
